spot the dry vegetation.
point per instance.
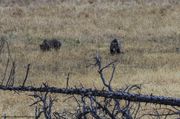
(150, 33)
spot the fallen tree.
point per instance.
(162, 100)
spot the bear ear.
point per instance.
(114, 40)
(45, 40)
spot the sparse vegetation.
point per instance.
(150, 33)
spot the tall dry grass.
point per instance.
(150, 32)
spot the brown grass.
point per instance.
(150, 33)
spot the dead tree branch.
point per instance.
(90, 92)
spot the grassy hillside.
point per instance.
(150, 32)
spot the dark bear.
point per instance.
(45, 46)
(115, 47)
(50, 44)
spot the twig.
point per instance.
(11, 78)
(67, 80)
(5, 72)
(27, 72)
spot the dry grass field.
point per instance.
(150, 32)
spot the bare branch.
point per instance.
(27, 72)
(86, 92)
